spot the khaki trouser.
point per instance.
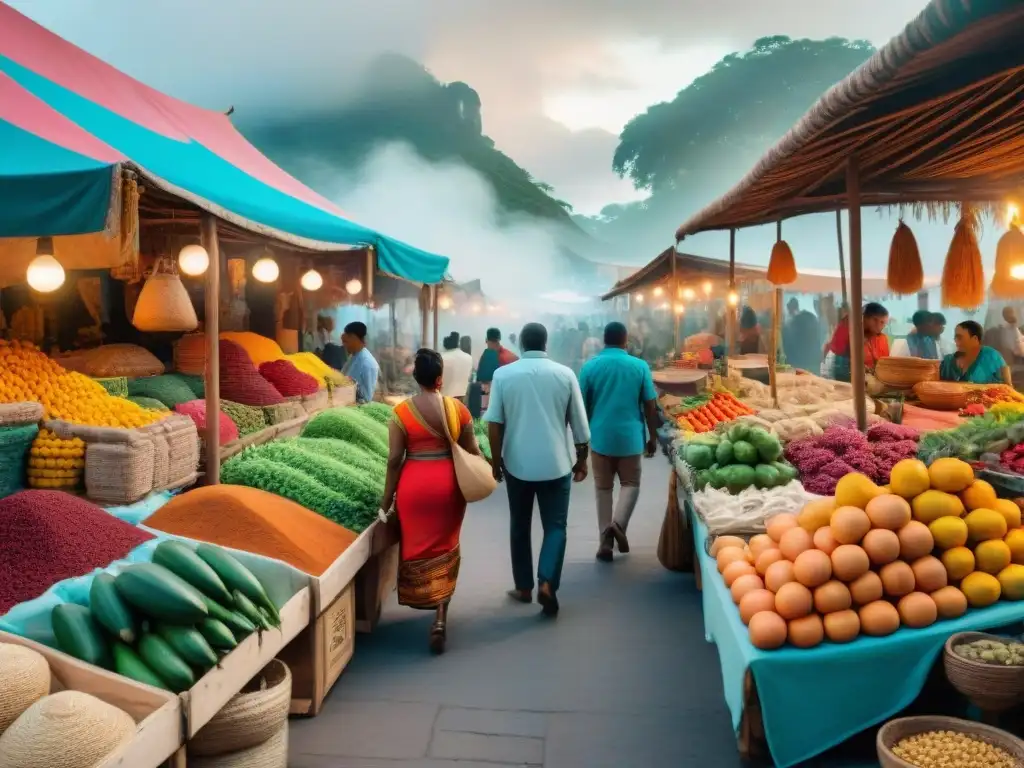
(606, 468)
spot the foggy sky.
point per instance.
(591, 65)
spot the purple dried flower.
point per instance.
(837, 469)
(905, 448)
(862, 461)
(822, 485)
(841, 439)
(813, 460)
(886, 432)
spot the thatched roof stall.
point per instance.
(932, 119)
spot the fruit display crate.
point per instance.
(158, 714)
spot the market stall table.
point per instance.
(813, 699)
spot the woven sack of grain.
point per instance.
(343, 395)
(190, 354)
(196, 410)
(273, 753)
(15, 444)
(259, 349)
(289, 410)
(15, 414)
(24, 679)
(315, 402)
(168, 389)
(119, 473)
(252, 717)
(182, 450)
(161, 455)
(113, 360)
(240, 381)
(66, 430)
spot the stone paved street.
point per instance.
(623, 677)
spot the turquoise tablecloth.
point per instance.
(813, 699)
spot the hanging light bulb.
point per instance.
(193, 260)
(688, 294)
(1017, 271)
(476, 309)
(734, 298)
(354, 286)
(444, 302)
(312, 280)
(639, 298)
(664, 307)
(658, 291)
(1012, 213)
(680, 309)
(45, 274)
(266, 270)
(707, 287)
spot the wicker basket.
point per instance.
(905, 372)
(272, 753)
(251, 718)
(941, 395)
(163, 303)
(15, 444)
(990, 687)
(24, 680)
(890, 734)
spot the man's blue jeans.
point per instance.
(553, 499)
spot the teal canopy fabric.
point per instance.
(70, 118)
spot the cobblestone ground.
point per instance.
(623, 676)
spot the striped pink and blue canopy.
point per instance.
(67, 118)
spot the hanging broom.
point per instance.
(963, 277)
(1009, 254)
(781, 265)
(906, 275)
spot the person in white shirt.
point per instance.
(923, 340)
(458, 367)
(1006, 337)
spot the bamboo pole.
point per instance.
(731, 311)
(773, 351)
(371, 268)
(433, 303)
(674, 300)
(856, 298)
(424, 313)
(212, 383)
(842, 261)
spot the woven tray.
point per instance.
(905, 372)
(895, 731)
(990, 687)
(940, 395)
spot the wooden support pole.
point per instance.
(424, 313)
(371, 269)
(842, 261)
(674, 299)
(433, 303)
(212, 328)
(732, 312)
(856, 295)
(773, 352)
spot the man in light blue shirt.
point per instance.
(361, 367)
(534, 402)
(618, 393)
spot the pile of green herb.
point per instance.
(379, 412)
(352, 426)
(247, 418)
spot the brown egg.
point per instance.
(768, 630)
(929, 574)
(917, 610)
(842, 626)
(778, 574)
(897, 579)
(728, 555)
(807, 631)
(879, 619)
(812, 568)
(866, 589)
(849, 524)
(793, 601)
(759, 544)
(735, 570)
(725, 541)
(915, 541)
(794, 541)
(779, 524)
(882, 545)
(755, 601)
(744, 584)
(950, 602)
(831, 597)
(849, 562)
(888, 511)
(766, 558)
(824, 540)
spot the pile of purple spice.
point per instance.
(823, 460)
(49, 536)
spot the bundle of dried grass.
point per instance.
(1009, 254)
(781, 265)
(906, 274)
(963, 277)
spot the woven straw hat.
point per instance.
(24, 679)
(69, 729)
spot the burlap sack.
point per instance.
(15, 414)
(119, 473)
(316, 402)
(289, 410)
(182, 450)
(157, 433)
(116, 435)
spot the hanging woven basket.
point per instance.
(905, 274)
(164, 304)
(1009, 254)
(963, 277)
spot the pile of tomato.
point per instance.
(722, 406)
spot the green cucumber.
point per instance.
(236, 576)
(79, 635)
(236, 622)
(128, 663)
(268, 618)
(157, 592)
(168, 666)
(217, 634)
(109, 610)
(248, 609)
(181, 560)
(190, 644)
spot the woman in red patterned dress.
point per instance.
(422, 485)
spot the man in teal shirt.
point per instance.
(618, 393)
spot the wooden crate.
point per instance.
(157, 713)
(320, 653)
(378, 577)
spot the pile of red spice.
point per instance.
(49, 536)
(240, 381)
(287, 379)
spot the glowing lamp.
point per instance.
(658, 291)
(639, 298)
(266, 270)
(707, 287)
(1012, 212)
(353, 286)
(664, 306)
(679, 309)
(45, 274)
(193, 260)
(312, 280)
(476, 309)
(734, 298)
(444, 302)
(688, 294)
(1016, 271)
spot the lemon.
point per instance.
(1009, 510)
(959, 562)
(1015, 541)
(909, 478)
(949, 532)
(931, 505)
(981, 589)
(951, 475)
(992, 556)
(985, 524)
(978, 495)
(1011, 582)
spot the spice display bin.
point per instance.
(157, 714)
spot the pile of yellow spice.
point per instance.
(951, 749)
